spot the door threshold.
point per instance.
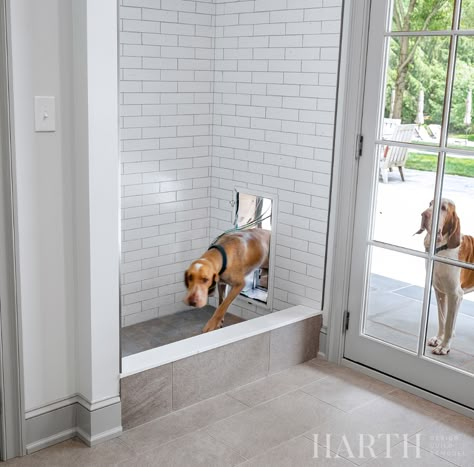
(417, 391)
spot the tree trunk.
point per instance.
(400, 83)
(406, 56)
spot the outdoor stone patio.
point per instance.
(394, 315)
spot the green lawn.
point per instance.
(429, 162)
(463, 136)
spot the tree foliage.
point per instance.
(420, 63)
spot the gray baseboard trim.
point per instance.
(57, 425)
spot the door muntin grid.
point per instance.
(440, 149)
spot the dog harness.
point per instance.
(221, 250)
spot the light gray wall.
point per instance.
(66, 201)
(41, 66)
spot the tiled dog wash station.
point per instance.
(219, 98)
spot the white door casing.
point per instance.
(11, 392)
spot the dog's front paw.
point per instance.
(441, 349)
(212, 325)
(434, 341)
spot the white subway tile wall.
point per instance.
(166, 78)
(274, 104)
(215, 95)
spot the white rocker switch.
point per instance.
(45, 113)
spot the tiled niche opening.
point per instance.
(215, 95)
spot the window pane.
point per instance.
(456, 222)
(467, 14)
(395, 300)
(461, 129)
(421, 15)
(456, 312)
(399, 203)
(415, 89)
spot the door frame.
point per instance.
(352, 60)
(11, 374)
(352, 71)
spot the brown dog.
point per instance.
(450, 283)
(234, 256)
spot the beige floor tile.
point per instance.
(108, 453)
(280, 430)
(343, 435)
(401, 413)
(346, 389)
(401, 456)
(410, 401)
(25, 461)
(451, 438)
(278, 384)
(301, 410)
(75, 453)
(252, 432)
(396, 414)
(328, 367)
(265, 426)
(179, 423)
(194, 450)
(212, 410)
(298, 452)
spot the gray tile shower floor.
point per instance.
(273, 422)
(394, 316)
(161, 331)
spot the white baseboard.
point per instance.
(57, 425)
(76, 398)
(50, 441)
(100, 438)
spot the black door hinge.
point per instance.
(360, 146)
(346, 320)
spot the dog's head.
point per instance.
(449, 226)
(200, 280)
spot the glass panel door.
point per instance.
(412, 279)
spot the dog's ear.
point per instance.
(452, 228)
(186, 282)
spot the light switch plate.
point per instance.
(45, 113)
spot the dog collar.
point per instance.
(440, 248)
(221, 250)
